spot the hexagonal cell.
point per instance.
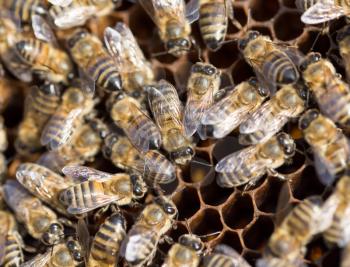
(307, 184)
(225, 56)
(211, 193)
(187, 202)
(332, 258)
(225, 146)
(232, 239)
(241, 71)
(141, 24)
(170, 187)
(289, 3)
(264, 10)
(266, 197)
(178, 231)
(225, 80)
(259, 233)
(239, 15)
(207, 224)
(284, 29)
(316, 250)
(197, 170)
(239, 211)
(315, 41)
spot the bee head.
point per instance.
(139, 188)
(177, 47)
(263, 91)
(191, 242)
(167, 205)
(182, 156)
(251, 35)
(53, 234)
(343, 33)
(306, 119)
(311, 58)
(74, 249)
(206, 69)
(114, 98)
(287, 143)
(76, 36)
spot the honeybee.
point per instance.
(224, 256)
(140, 245)
(43, 183)
(185, 253)
(270, 117)
(339, 231)
(203, 84)
(167, 112)
(154, 167)
(288, 242)
(24, 10)
(76, 104)
(331, 93)
(329, 145)
(320, 11)
(107, 241)
(40, 104)
(63, 254)
(72, 13)
(272, 63)
(343, 39)
(127, 114)
(134, 69)
(213, 21)
(173, 20)
(10, 242)
(227, 113)
(40, 221)
(97, 189)
(41, 53)
(85, 144)
(249, 164)
(89, 54)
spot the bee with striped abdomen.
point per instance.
(320, 11)
(42, 54)
(135, 71)
(98, 189)
(140, 245)
(270, 117)
(229, 112)
(250, 164)
(273, 64)
(185, 253)
(76, 104)
(224, 256)
(43, 183)
(153, 166)
(330, 92)
(167, 112)
(89, 54)
(343, 39)
(67, 14)
(40, 221)
(173, 18)
(107, 241)
(328, 143)
(126, 112)
(203, 84)
(40, 104)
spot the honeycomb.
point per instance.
(242, 219)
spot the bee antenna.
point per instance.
(188, 227)
(159, 54)
(210, 234)
(202, 163)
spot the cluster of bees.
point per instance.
(148, 134)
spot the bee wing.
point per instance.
(192, 11)
(59, 129)
(236, 258)
(82, 173)
(38, 261)
(83, 238)
(75, 16)
(113, 41)
(14, 193)
(324, 170)
(42, 30)
(235, 160)
(15, 65)
(62, 3)
(163, 167)
(99, 201)
(194, 110)
(321, 12)
(328, 209)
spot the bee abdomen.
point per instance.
(45, 104)
(29, 49)
(218, 261)
(13, 255)
(235, 178)
(279, 68)
(335, 233)
(142, 124)
(213, 23)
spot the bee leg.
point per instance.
(274, 173)
(100, 212)
(66, 222)
(167, 239)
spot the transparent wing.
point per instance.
(149, 8)
(171, 8)
(82, 173)
(100, 200)
(14, 193)
(59, 129)
(328, 209)
(38, 261)
(75, 16)
(83, 236)
(324, 169)
(16, 66)
(194, 110)
(113, 41)
(61, 2)
(42, 30)
(192, 11)
(158, 164)
(321, 12)
(235, 160)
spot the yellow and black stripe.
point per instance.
(13, 254)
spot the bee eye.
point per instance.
(183, 240)
(253, 81)
(315, 57)
(170, 44)
(107, 152)
(169, 208)
(71, 245)
(184, 43)
(303, 93)
(209, 70)
(263, 91)
(197, 246)
(242, 44)
(253, 35)
(196, 68)
(55, 228)
(189, 151)
(138, 191)
(77, 256)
